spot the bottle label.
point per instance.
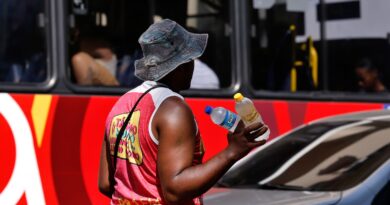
(251, 117)
(230, 119)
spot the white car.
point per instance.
(338, 160)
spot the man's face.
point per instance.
(184, 75)
(367, 78)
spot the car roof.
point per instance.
(382, 115)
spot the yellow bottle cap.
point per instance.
(238, 97)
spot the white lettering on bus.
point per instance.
(25, 176)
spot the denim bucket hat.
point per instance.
(165, 46)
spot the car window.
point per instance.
(266, 162)
(339, 162)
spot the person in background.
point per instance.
(204, 77)
(159, 159)
(369, 77)
(95, 64)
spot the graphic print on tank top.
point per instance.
(129, 146)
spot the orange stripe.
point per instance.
(39, 112)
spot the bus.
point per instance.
(294, 58)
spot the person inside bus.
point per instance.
(159, 158)
(369, 77)
(203, 77)
(97, 64)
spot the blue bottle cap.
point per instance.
(208, 110)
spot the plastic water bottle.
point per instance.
(223, 117)
(248, 113)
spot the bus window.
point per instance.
(103, 39)
(288, 52)
(23, 54)
(358, 46)
(274, 50)
(211, 17)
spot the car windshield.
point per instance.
(321, 156)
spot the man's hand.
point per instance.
(242, 140)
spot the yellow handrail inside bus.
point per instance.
(313, 62)
(293, 80)
(293, 72)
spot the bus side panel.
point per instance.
(50, 144)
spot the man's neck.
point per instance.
(170, 85)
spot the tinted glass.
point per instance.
(266, 162)
(103, 39)
(358, 46)
(277, 43)
(22, 41)
(342, 160)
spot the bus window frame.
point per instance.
(107, 90)
(52, 73)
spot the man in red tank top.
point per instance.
(162, 128)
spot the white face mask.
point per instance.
(109, 64)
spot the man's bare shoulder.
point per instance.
(174, 116)
(175, 107)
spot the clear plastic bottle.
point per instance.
(248, 113)
(223, 117)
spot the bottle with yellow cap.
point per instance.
(248, 113)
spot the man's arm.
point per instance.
(106, 181)
(176, 130)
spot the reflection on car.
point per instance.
(338, 160)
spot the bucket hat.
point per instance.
(165, 46)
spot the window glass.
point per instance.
(358, 46)
(22, 41)
(103, 39)
(288, 54)
(274, 156)
(276, 44)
